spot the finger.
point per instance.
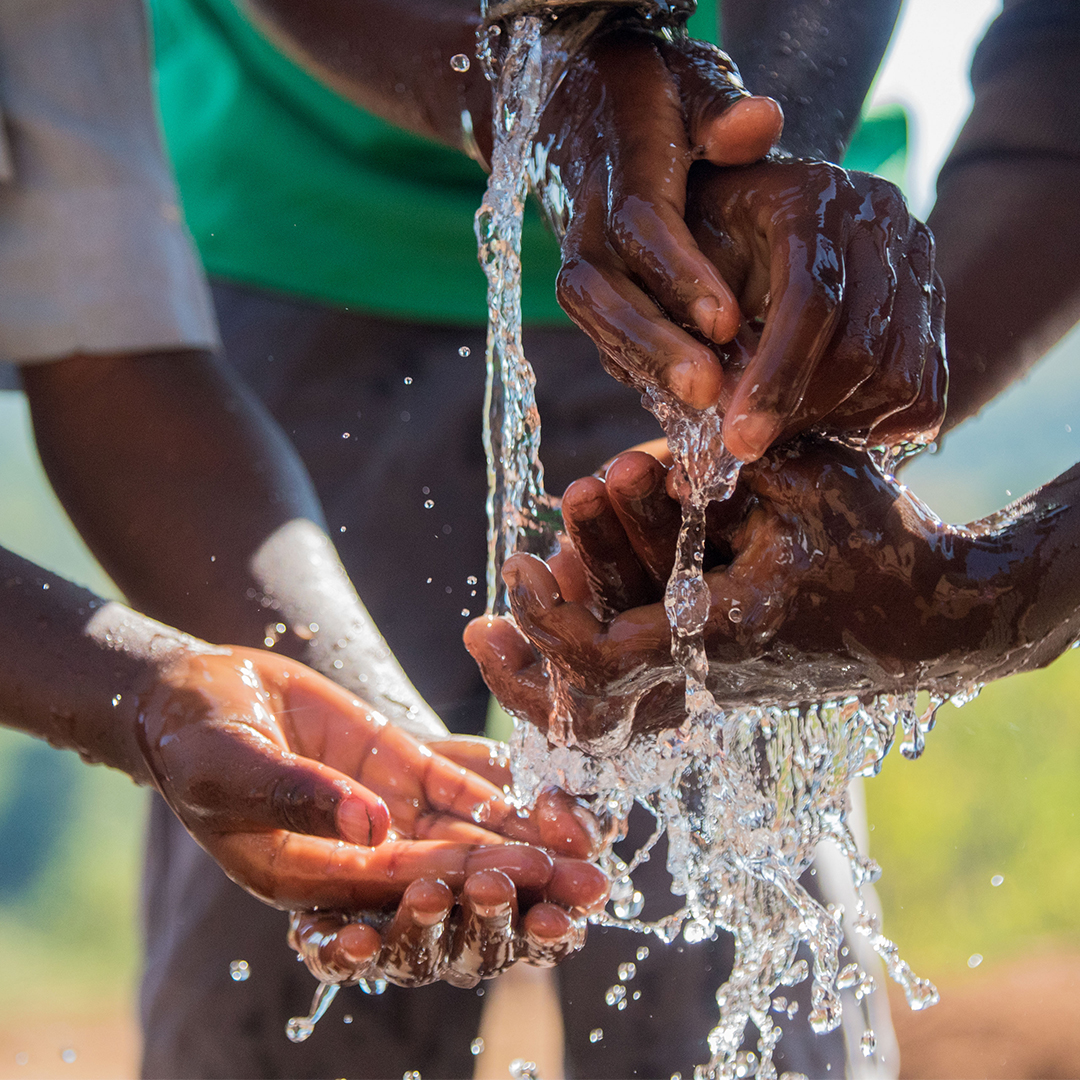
(334, 949)
(577, 885)
(486, 757)
(305, 872)
(565, 826)
(565, 632)
(636, 490)
(548, 934)
(807, 276)
(897, 384)
(483, 942)
(843, 383)
(230, 779)
(639, 343)
(646, 185)
(510, 669)
(616, 578)
(921, 421)
(416, 943)
(569, 572)
(726, 125)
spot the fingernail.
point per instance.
(696, 384)
(703, 311)
(756, 433)
(354, 821)
(590, 825)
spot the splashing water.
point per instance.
(744, 795)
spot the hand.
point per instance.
(309, 800)
(839, 581)
(845, 310)
(619, 135)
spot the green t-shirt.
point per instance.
(288, 186)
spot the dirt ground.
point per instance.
(1021, 1021)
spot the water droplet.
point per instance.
(735, 614)
(22, 1058)
(464, 351)
(338, 665)
(629, 907)
(627, 972)
(996, 880)
(460, 62)
(375, 987)
(428, 504)
(68, 1056)
(412, 1074)
(637, 995)
(868, 1043)
(299, 1029)
(643, 952)
(428, 581)
(615, 994)
(621, 1005)
(466, 612)
(974, 960)
(596, 1035)
(117, 699)
(239, 971)
(344, 434)
(476, 1047)
(523, 1070)
(407, 380)
(342, 529)
(347, 1018)
(471, 579)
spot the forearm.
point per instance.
(1007, 221)
(1022, 564)
(199, 509)
(392, 58)
(816, 57)
(72, 665)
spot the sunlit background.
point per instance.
(995, 794)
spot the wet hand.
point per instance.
(308, 799)
(824, 578)
(618, 137)
(844, 311)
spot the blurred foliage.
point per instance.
(993, 794)
(70, 836)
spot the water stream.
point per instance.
(744, 796)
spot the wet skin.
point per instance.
(842, 582)
(310, 800)
(660, 276)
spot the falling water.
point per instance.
(744, 796)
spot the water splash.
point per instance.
(299, 1028)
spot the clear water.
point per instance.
(744, 796)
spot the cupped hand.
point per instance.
(825, 578)
(310, 800)
(617, 139)
(844, 311)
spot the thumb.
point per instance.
(227, 780)
(726, 125)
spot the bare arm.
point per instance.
(1007, 220)
(197, 506)
(816, 57)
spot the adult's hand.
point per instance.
(618, 136)
(309, 800)
(825, 578)
(844, 309)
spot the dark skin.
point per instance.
(196, 505)
(304, 795)
(619, 136)
(842, 581)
